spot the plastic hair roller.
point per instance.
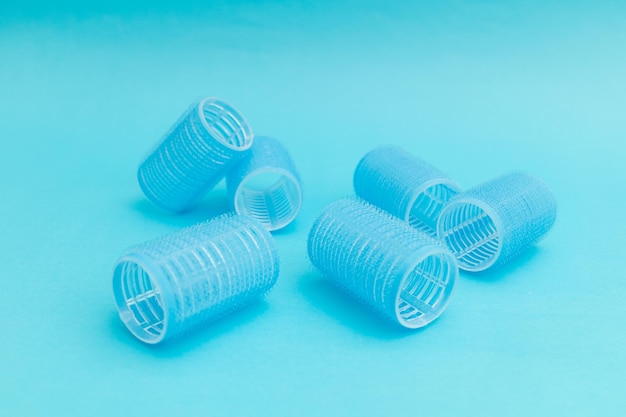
(208, 140)
(404, 186)
(399, 272)
(266, 185)
(492, 223)
(172, 284)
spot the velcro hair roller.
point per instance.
(172, 284)
(266, 185)
(208, 140)
(492, 223)
(404, 185)
(398, 271)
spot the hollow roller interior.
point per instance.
(494, 222)
(203, 145)
(171, 285)
(398, 271)
(404, 185)
(266, 184)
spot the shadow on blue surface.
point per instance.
(502, 271)
(287, 230)
(197, 338)
(215, 203)
(339, 306)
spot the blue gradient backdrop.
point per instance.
(475, 88)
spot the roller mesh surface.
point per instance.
(266, 184)
(493, 223)
(399, 272)
(172, 284)
(208, 140)
(404, 185)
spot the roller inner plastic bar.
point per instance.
(398, 271)
(209, 139)
(266, 184)
(404, 185)
(171, 285)
(494, 222)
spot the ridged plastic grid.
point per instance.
(404, 185)
(172, 284)
(266, 184)
(491, 224)
(399, 272)
(208, 139)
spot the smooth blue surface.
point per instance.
(476, 89)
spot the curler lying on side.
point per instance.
(491, 224)
(208, 140)
(266, 185)
(172, 284)
(399, 272)
(404, 185)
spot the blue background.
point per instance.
(475, 88)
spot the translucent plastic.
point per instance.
(266, 185)
(208, 140)
(404, 186)
(494, 222)
(172, 284)
(398, 271)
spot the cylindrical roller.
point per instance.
(404, 185)
(401, 273)
(266, 185)
(493, 222)
(208, 140)
(171, 284)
